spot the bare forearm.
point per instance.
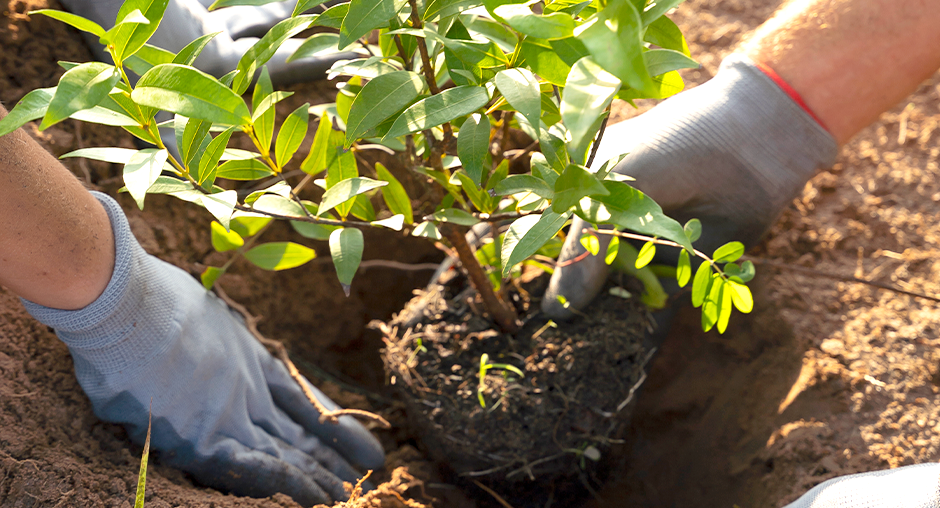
(56, 244)
(851, 60)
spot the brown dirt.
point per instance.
(824, 379)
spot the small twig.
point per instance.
(600, 136)
(396, 265)
(279, 351)
(835, 276)
(514, 155)
(493, 493)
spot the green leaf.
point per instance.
(613, 248)
(365, 16)
(527, 235)
(346, 190)
(249, 226)
(591, 243)
(573, 184)
(191, 133)
(346, 96)
(315, 44)
(103, 116)
(142, 475)
(379, 99)
(210, 158)
(436, 9)
(728, 252)
(305, 5)
(32, 106)
(218, 4)
(473, 146)
(291, 135)
(127, 38)
(427, 230)
(551, 26)
(437, 109)
(544, 61)
(278, 204)
(569, 50)
(224, 241)
(479, 60)
(332, 17)
(683, 269)
(480, 198)
(208, 278)
(661, 61)
(263, 118)
(263, 89)
(394, 194)
(395, 222)
(341, 167)
(701, 284)
(243, 169)
(711, 310)
(107, 154)
(82, 87)
(521, 90)
(741, 296)
(658, 9)
(192, 93)
(693, 230)
(588, 91)
(278, 256)
(724, 305)
(346, 248)
(541, 168)
(147, 58)
(552, 145)
(78, 22)
(142, 170)
(613, 36)
(264, 49)
(647, 252)
(315, 161)
(665, 34)
(631, 209)
(524, 183)
(191, 52)
(455, 216)
(498, 175)
(220, 205)
(312, 231)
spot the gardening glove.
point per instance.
(906, 487)
(223, 409)
(187, 20)
(732, 152)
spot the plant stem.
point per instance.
(600, 136)
(504, 316)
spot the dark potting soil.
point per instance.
(544, 435)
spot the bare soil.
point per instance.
(825, 378)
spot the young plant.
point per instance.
(485, 367)
(444, 85)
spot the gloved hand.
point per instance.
(187, 20)
(224, 409)
(732, 152)
(906, 487)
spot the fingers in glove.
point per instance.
(348, 437)
(578, 277)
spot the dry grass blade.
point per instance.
(142, 476)
(493, 493)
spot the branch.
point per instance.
(600, 136)
(279, 351)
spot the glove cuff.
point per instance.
(108, 333)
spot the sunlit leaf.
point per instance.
(394, 194)
(379, 99)
(192, 93)
(224, 241)
(279, 255)
(345, 190)
(527, 234)
(291, 135)
(82, 87)
(728, 252)
(437, 109)
(142, 170)
(346, 246)
(588, 91)
(683, 269)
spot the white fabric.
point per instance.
(907, 487)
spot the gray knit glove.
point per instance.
(732, 152)
(224, 409)
(906, 487)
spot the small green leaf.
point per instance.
(544, 61)
(208, 278)
(665, 34)
(527, 235)
(394, 194)
(264, 49)
(332, 17)
(552, 26)
(747, 272)
(346, 246)
(693, 230)
(436, 9)
(473, 146)
(455, 216)
(395, 222)
(427, 230)
(521, 89)
(142, 474)
(78, 22)
(701, 284)
(658, 9)
(312, 231)
(142, 170)
(437, 109)
(132, 33)
(224, 241)
(218, 4)
(524, 183)
(291, 135)
(728, 252)
(588, 91)
(379, 99)
(243, 169)
(683, 269)
(498, 175)
(613, 36)
(711, 307)
(661, 61)
(573, 184)
(345, 190)
(249, 226)
(192, 93)
(741, 296)
(647, 252)
(315, 44)
(191, 52)
(591, 243)
(365, 16)
(480, 198)
(210, 158)
(278, 256)
(32, 106)
(82, 87)
(305, 5)
(613, 248)
(724, 305)
(220, 205)
(552, 144)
